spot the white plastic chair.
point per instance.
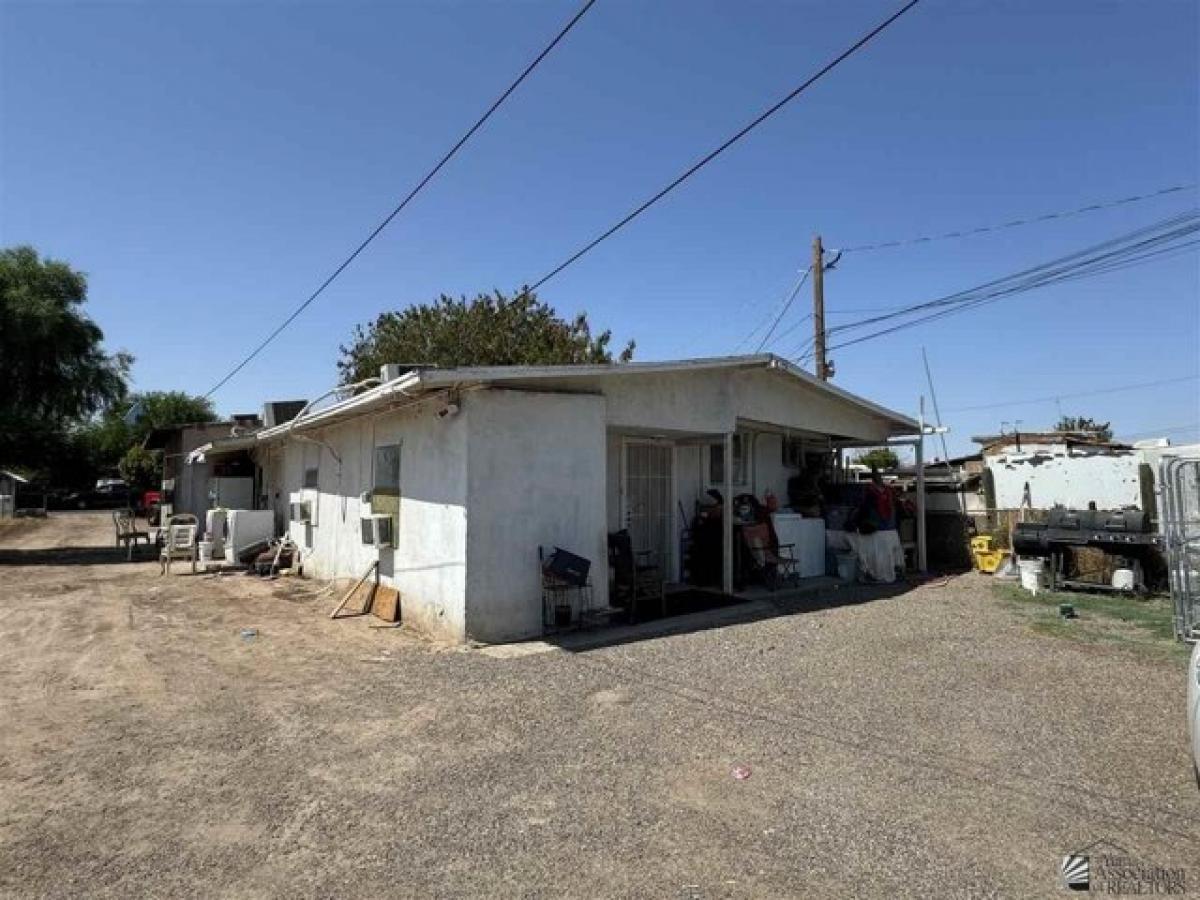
(179, 542)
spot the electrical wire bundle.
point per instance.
(1161, 240)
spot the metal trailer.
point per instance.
(1179, 488)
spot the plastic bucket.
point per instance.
(1031, 574)
(847, 566)
(1124, 579)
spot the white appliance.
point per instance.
(808, 535)
(214, 527)
(244, 527)
(231, 493)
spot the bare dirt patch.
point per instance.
(926, 744)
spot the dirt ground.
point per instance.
(925, 744)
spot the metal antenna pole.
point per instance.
(937, 417)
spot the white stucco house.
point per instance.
(478, 467)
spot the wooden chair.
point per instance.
(127, 532)
(179, 542)
(636, 575)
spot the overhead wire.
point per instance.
(446, 157)
(709, 157)
(1074, 395)
(1137, 247)
(1016, 223)
(783, 311)
(1097, 254)
(766, 319)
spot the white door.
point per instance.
(647, 507)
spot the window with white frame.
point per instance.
(741, 465)
(385, 483)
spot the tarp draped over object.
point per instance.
(879, 554)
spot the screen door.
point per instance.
(648, 513)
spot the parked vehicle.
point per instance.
(109, 493)
(1194, 708)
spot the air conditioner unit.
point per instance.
(303, 506)
(377, 530)
(301, 511)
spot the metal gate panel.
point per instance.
(648, 489)
(1179, 480)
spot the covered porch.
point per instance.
(670, 491)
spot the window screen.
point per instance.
(385, 484)
(387, 470)
(716, 463)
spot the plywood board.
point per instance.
(386, 604)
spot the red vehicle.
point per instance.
(151, 506)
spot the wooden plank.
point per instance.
(386, 604)
(355, 590)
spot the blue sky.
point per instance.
(208, 164)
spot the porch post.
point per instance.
(922, 552)
(727, 518)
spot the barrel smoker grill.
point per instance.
(1125, 534)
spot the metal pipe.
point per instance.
(727, 519)
(922, 549)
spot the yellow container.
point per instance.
(983, 542)
(989, 561)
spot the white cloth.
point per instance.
(879, 554)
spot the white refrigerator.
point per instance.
(244, 527)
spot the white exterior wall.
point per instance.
(1057, 477)
(536, 476)
(427, 565)
(777, 398)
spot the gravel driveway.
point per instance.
(926, 744)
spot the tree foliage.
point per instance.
(880, 458)
(54, 370)
(141, 468)
(77, 456)
(115, 439)
(1102, 430)
(490, 330)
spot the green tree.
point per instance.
(1102, 430)
(54, 370)
(141, 468)
(491, 330)
(110, 440)
(880, 458)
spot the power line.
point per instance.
(1097, 255)
(479, 123)
(782, 312)
(1016, 223)
(824, 70)
(1084, 263)
(1029, 401)
(1155, 432)
(766, 320)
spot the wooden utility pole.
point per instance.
(818, 282)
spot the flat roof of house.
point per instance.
(423, 380)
